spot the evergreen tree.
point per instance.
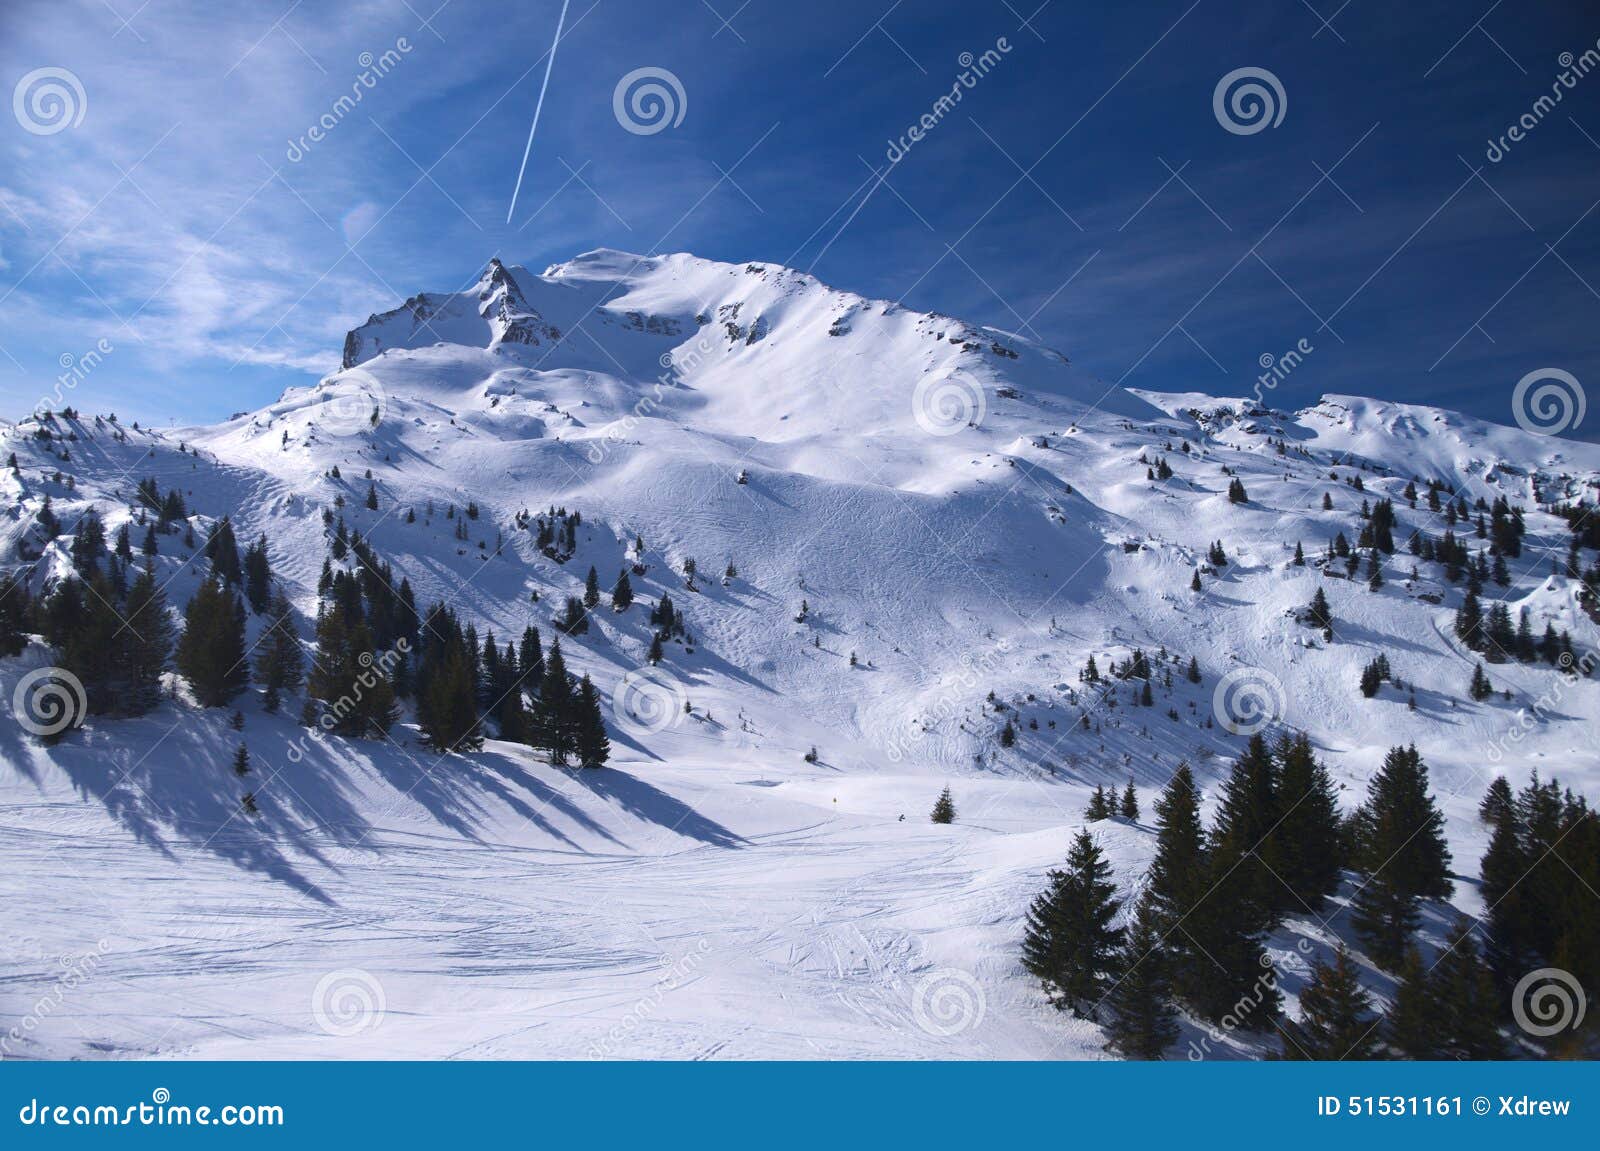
(590, 743)
(1411, 1025)
(448, 711)
(1464, 996)
(1245, 839)
(1510, 949)
(1469, 622)
(1400, 849)
(257, 576)
(1310, 847)
(1194, 581)
(1177, 880)
(1143, 1021)
(211, 653)
(1070, 944)
(530, 659)
(280, 662)
(1336, 1018)
(15, 607)
(1130, 802)
(1319, 613)
(591, 589)
(1498, 802)
(552, 721)
(944, 808)
(622, 592)
(1213, 940)
(143, 647)
(241, 761)
(222, 549)
(574, 619)
(1480, 688)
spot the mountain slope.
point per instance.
(960, 510)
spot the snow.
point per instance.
(711, 894)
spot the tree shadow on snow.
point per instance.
(650, 803)
(168, 779)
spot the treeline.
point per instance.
(373, 648)
(112, 631)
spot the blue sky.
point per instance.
(1083, 191)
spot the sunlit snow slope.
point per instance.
(960, 510)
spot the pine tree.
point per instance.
(591, 588)
(1310, 847)
(1498, 802)
(1464, 997)
(553, 724)
(143, 647)
(241, 761)
(591, 744)
(1400, 849)
(1194, 581)
(1469, 622)
(574, 619)
(1245, 839)
(1099, 807)
(1336, 1018)
(656, 652)
(1142, 1020)
(622, 592)
(1299, 555)
(257, 576)
(1319, 613)
(280, 662)
(211, 653)
(1411, 1025)
(1480, 688)
(944, 808)
(448, 710)
(15, 608)
(222, 549)
(1130, 802)
(1177, 877)
(1070, 944)
(1217, 962)
(1193, 674)
(530, 659)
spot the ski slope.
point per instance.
(961, 509)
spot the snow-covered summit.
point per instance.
(909, 534)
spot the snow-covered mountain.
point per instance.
(914, 512)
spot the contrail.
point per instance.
(537, 108)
